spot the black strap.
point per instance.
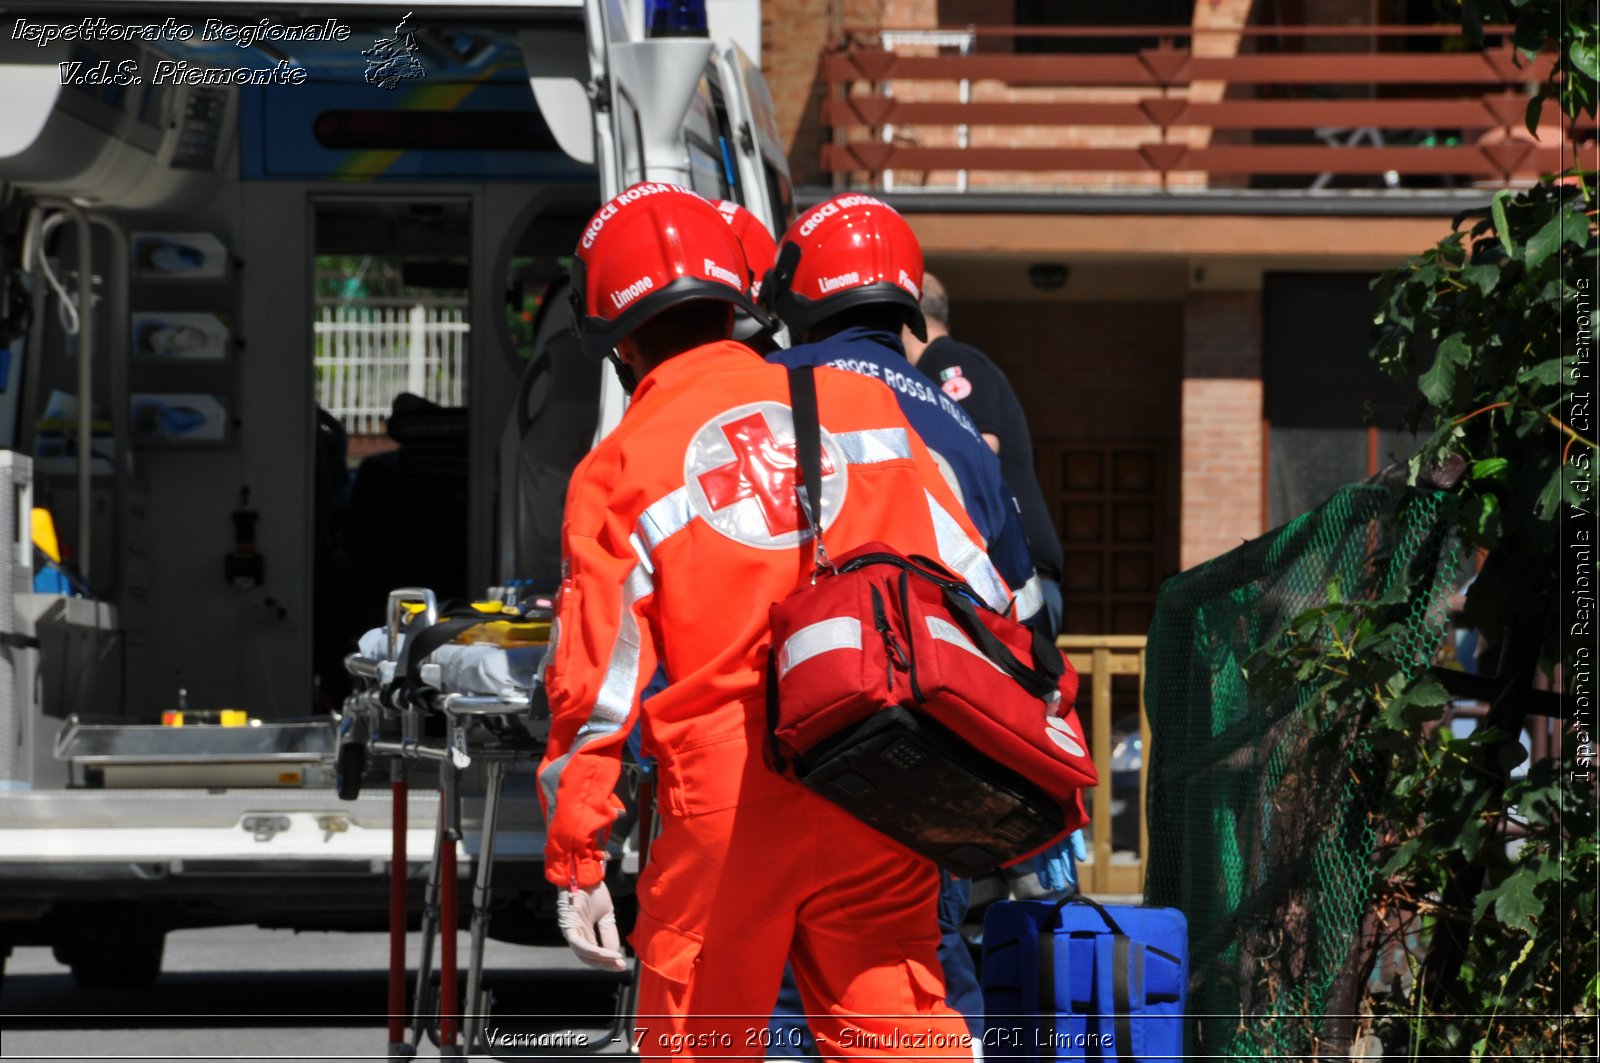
(779, 764)
(422, 643)
(1041, 680)
(1078, 898)
(1112, 923)
(1037, 681)
(1046, 1004)
(808, 496)
(1046, 655)
(1120, 1000)
(928, 570)
(17, 641)
(808, 447)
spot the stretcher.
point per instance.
(450, 691)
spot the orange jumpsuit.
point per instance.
(681, 529)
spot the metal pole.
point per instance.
(398, 1048)
(449, 832)
(475, 1012)
(430, 922)
(85, 364)
(117, 371)
(15, 503)
(85, 387)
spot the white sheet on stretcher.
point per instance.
(474, 668)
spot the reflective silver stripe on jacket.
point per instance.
(873, 445)
(1030, 599)
(966, 558)
(663, 519)
(615, 700)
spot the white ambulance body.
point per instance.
(231, 235)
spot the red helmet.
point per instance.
(651, 248)
(850, 251)
(760, 249)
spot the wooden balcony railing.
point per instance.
(1279, 107)
(1098, 659)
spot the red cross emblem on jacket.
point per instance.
(741, 470)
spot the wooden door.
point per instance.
(1107, 502)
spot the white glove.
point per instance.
(580, 913)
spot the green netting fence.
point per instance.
(1258, 832)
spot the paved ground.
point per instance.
(245, 993)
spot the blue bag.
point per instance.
(1071, 980)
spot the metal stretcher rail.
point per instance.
(386, 717)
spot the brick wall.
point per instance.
(794, 36)
(1221, 466)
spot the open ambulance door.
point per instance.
(644, 90)
(763, 166)
(682, 110)
(686, 111)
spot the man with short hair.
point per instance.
(968, 376)
(682, 529)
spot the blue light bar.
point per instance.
(676, 18)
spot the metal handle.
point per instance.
(397, 599)
(486, 705)
(361, 667)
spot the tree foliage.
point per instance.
(1479, 320)
(1568, 28)
(1500, 862)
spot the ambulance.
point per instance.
(282, 320)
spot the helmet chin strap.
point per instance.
(624, 375)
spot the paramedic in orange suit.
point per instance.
(681, 530)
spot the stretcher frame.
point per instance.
(385, 717)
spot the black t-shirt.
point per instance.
(967, 375)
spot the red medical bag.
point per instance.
(898, 696)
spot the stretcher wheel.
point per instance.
(348, 769)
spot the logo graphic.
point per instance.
(1059, 731)
(741, 469)
(957, 387)
(394, 59)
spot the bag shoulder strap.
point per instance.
(454, 619)
(808, 451)
(1041, 679)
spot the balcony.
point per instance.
(1276, 110)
